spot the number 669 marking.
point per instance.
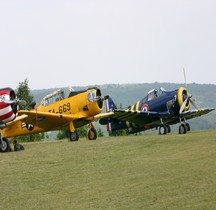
(64, 108)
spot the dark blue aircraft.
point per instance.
(159, 109)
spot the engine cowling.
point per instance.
(8, 109)
(182, 96)
(96, 101)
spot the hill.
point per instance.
(134, 172)
(128, 94)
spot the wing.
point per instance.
(19, 118)
(138, 117)
(141, 118)
(47, 120)
(196, 113)
(100, 116)
(51, 121)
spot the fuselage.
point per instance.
(160, 102)
(82, 106)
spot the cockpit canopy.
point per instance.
(53, 97)
(154, 93)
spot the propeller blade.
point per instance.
(17, 102)
(193, 102)
(8, 102)
(183, 105)
(100, 98)
(21, 103)
(106, 97)
(185, 78)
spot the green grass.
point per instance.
(136, 172)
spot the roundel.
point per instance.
(145, 108)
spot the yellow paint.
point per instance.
(56, 112)
(137, 105)
(180, 99)
(128, 124)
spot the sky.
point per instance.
(61, 43)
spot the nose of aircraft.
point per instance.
(183, 99)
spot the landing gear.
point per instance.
(168, 128)
(74, 136)
(187, 126)
(183, 127)
(162, 129)
(92, 133)
(5, 145)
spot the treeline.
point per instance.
(128, 94)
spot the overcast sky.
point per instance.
(60, 43)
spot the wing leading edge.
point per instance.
(141, 118)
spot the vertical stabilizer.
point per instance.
(110, 105)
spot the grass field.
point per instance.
(136, 172)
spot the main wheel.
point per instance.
(162, 129)
(74, 136)
(92, 134)
(5, 145)
(168, 128)
(182, 129)
(187, 126)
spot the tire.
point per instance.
(74, 136)
(168, 128)
(5, 145)
(182, 129)
(187, 126)
(162, 130)
(92, 134)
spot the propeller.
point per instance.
(16, 102)
(100, 98)
(187, 97)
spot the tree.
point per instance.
(23, 93)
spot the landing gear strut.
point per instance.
(92, 133)
(5, 145)
(162, 129)
(74, 136)
(184, 126)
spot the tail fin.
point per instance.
(110, 105)
(112, 124)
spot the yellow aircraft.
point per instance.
(57, 111)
